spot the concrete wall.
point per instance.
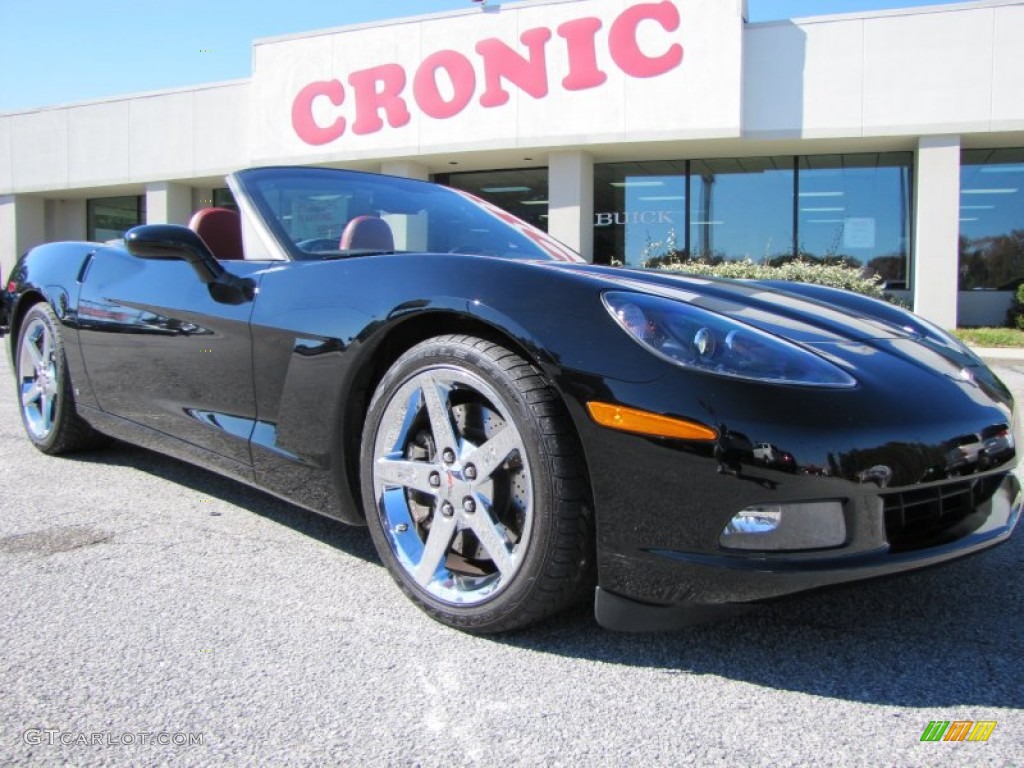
(65, 220)
(132, 140)
(22, 226)
(937, 213)
(700, 43)
(935, 79)
(940, 70)
(934, 71)
(983, 308)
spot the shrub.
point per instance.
(1015, 314)
(835, 275)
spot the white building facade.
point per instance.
(630, 130)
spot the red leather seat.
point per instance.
(221, 230)
(369, 233)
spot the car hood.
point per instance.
(802, 313)
(806, 314)
(838, 324)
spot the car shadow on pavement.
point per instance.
(346, 538)
(950, 637)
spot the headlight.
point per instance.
(706, 341)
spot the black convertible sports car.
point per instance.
(510, 423)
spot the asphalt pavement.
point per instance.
(154, 613)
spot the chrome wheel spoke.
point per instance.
(47, 349)
(442, 529)
(31, 394)
(492, 539)
(38, 373)
(492, 454)
(35, 357)
(435, 395)
(46, 411)
(414, 475)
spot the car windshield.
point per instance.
(321, 213)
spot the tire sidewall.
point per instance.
(438, 353)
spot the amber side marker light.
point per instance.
(646, 423)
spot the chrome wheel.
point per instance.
(452, 485)
(45, 394)
(39, 382)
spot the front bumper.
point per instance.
(906, 537)
(919, 455)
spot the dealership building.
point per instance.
(628, 129)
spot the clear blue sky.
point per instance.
(58, 51)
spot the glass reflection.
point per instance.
(991, 219)
(855, 209)
(640, 211)
(108, 218)
(741, 209)
(523, 192)
(852, 208)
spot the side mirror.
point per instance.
(170, 241)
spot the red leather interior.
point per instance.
(221, 230)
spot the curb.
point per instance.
(1000, 354)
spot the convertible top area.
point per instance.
(317, 213)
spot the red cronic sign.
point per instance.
(383, 92)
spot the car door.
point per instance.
(162, 352)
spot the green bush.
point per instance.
(991, 337)
(1015, 314)
(836, 275)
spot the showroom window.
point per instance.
(639, 211)
(853, 207)
(522, 192)
(108, 218)
(222, 198)
(741, 209)
(659, 211)
(991, 219)
(856, 208)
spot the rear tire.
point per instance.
(44, 387)
(474, 487)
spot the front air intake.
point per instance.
(936, 515)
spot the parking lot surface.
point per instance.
(155, 613)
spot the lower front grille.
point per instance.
(936, 515)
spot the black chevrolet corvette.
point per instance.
(515, 426)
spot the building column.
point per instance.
(22, 226)
(168, 203)
(571, 200)
(937, 229)
(65, 220)
(406, 168)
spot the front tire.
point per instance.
(44, 387)
(473, 486)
